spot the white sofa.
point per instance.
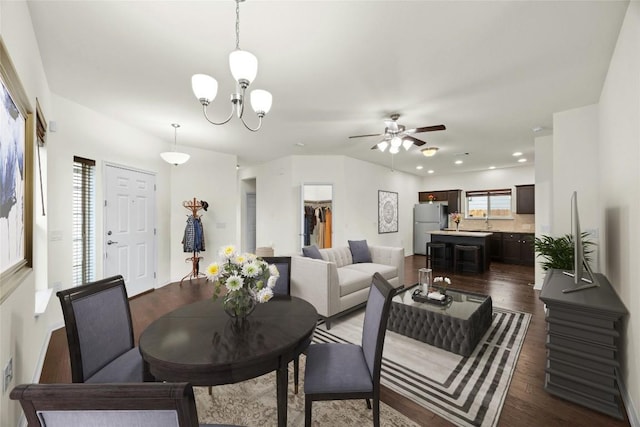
(335, 284)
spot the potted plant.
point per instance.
(558, 251)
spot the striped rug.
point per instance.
(467, 391)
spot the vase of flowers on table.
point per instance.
(247, 279)
(440, 284)
(456, 217)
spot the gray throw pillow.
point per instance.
(311, 252)
(359, 251)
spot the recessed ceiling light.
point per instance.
(430, 171)
(492, 167)
(419, 167)
(522, 160)
(300, 144)
(537, 128)
(517, 153)
(458, 162)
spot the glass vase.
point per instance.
(239, 304)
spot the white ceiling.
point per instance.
(489, 70)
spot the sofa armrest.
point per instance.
(316, 281)
(389, 255)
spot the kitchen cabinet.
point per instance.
(495, 247)
(525, 199)
(452, 197)
(517, 248)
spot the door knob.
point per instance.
(111, 242)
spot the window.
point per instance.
(84, 231)
(494, 203)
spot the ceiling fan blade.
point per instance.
(363, 136)
(416, 141)
(427, 129)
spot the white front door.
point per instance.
(129, 218)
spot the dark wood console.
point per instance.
(583, 340)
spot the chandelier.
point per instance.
(244, 68)
(174, 157)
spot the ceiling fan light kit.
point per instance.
(396, 136)
(429, 151)
(174, 157)
(244, 68)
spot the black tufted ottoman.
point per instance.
(456, 327)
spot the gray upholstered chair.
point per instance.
(100, 333)
(337, 371)
(283, 288)
(104, 405)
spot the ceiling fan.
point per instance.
(396, 135)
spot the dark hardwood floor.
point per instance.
(510, 286)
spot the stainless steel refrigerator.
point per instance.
(426, 218)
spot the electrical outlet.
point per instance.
(7, 375)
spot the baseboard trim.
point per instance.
(43, 351)
(632, 413)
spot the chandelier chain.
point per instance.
(237, 24)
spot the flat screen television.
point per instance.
(581, 270)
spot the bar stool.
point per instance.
(438, 256)
(472, 260)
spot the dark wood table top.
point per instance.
(201, 344)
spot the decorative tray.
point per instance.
(419, 297)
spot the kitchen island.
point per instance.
(477, 238)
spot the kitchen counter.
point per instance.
(462, 233)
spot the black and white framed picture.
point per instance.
(387, 212)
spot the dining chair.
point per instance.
(97, 318)
(103, 405)
(283, 287)
(341, 371)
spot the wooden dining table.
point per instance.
(201, 344)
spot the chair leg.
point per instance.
(210, 391)
(307, 411)
(368, 403)
(296, 368)
(376, 412)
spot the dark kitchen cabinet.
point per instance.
(495, 247)
(452, 197)
(525, 199)
(454, 200)
(517, 248)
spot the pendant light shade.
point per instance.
(244, 66)
(174, 157)
(429, 151)
(261, 101)
(205, 88)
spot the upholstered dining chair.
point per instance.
(283, 287)
(103, 405)
(100, 333)
(339, 371)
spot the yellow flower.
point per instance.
(213, 270)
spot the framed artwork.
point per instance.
(16, 128)
(387, 212)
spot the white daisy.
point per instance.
(228, 252)
(250, 269)
(273, 270)
(265, 295)
(271, 283)
(213, 271)
(234, 283)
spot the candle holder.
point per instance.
(425, 280)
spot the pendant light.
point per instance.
(174, 157)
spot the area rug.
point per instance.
(467, 391)
(252, 403)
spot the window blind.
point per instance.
(84, 252)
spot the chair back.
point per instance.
(98, 325)
(283, 263)
(375, 324)
(93, 405)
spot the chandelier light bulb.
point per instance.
(406, 144)
(396, 142)
(204, 87)
(261, 101)
(382, 145)
(394, 150)
(244, 66)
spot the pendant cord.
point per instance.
(237, 24)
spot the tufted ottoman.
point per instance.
(456, 327)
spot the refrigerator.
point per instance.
(427, 217)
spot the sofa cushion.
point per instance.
(311, 252)
(341, 255)
(352, 280)
(359, 251)
(387, 271)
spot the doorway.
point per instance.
(130, 227)
(251, 223)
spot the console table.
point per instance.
(583, 338)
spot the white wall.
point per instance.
(619, 185)
(22, 336)
(544, 194)
(355, 200)
(211, 177)
(576, 168)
